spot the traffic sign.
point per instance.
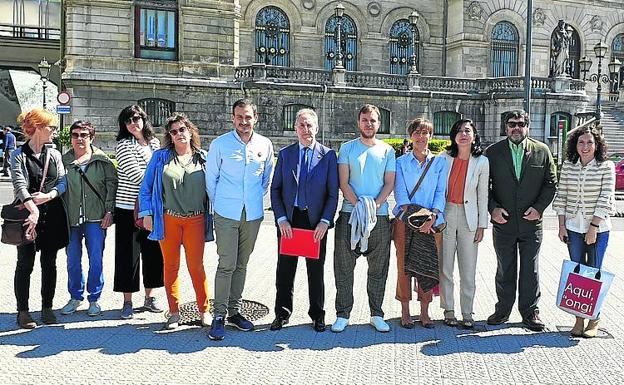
(60, 109)
(63, 98)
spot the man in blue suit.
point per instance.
(304, 194)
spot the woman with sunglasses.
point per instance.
(173, 204)
(135, 145)
(90, 200)
(584, 202)
(466, 216)
(430, 195)
(47, 222)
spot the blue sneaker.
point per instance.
(240, 322)
(217, 329)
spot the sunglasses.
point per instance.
(133, 119)
(516, 124)
(174, 132)
(53, 128)
(81, 135)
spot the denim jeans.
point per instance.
(595, 252)
(94, 237)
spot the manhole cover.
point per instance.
(252, 310)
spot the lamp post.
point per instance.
(339, 14)
(600, 50)
(413, 20)
(44, 72)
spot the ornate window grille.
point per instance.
(504, 50)
(384, 121)
(617, 51)
(443, 121)
(574, 53)
(289, 112)
(156, 31)
(557, 117)
(272, 37)
(157, 110)
(401, 47)
(348, 39)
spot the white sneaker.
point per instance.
(71, 306)
(339, 325)
(379, 324)
(94, 309)
(173, 321)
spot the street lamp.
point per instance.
(339, 14)
(44, 71)
(413, 20)
(600, 50)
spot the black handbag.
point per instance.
(14, 217)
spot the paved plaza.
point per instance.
(107, 350)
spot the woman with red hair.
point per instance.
(38, 178)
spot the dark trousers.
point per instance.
(378, 257)
(23, 270)
(507, 247)
(132, 245)
(287, 267)
(6, 162)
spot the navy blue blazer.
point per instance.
(321, 186)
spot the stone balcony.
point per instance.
(416, 83)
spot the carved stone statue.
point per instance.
(560, 46)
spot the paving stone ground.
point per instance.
(106, 350)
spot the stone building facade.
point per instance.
(199, 56)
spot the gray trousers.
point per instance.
(235, 242)
(378, 257)
(458, 240)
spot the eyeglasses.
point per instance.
(174, 132)
(133, 119)
(81, 135)
(53, 128)
(516, 124)
(421, 133)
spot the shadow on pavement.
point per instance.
(132, 337)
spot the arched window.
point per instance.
(559, 118)
(617, 51)
(401, 47)
(504, 50)
(272, 37)
(157, 110)
(384, 121)
(289, 112)
(443, 121)
(348, 40)
(574, 53)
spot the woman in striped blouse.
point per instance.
(135, 144)
(585, 200)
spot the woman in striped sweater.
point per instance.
(585, 200)
(135, 144)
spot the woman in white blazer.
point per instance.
(466, 216)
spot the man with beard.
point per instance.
(522, 185)
(366, 170)
(238, 172)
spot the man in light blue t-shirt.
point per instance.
(366, 168)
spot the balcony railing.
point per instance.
(399, 82)
(29, 32)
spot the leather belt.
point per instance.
(185, 215)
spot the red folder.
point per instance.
(301, 244)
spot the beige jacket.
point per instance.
(475, 190)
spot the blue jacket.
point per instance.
(151, 194)
(321, 189)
